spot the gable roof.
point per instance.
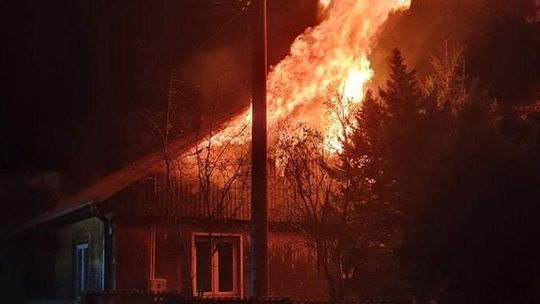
(115, 182)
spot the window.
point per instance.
(80, 268)
(217, 265)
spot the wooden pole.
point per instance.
(259, 187)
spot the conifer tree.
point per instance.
(374, 171)
(402, 94)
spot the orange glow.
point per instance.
(331, 56)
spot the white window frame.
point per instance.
(238, 265)
(81, 251)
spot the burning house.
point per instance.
(141, 229)
(177, 219)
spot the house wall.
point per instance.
(174, 251)
(292, 264)
(293, 267)
(90, 230)
(133, 241)
(293, 270)
(171, 256)
(132, 254)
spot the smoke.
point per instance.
(501, 39)
(221, 77)
(220, 73)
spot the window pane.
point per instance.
(83, 268)
(81, 263)
(203, 265)
(226, 266)
(77, 270)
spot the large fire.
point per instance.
(329, 59)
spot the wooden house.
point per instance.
(126, 232)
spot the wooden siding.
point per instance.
(293, 269)
(185, 200)
(132, 249)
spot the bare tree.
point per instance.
(165, 128)
(218, 168)
(314, 205)
(222, 166)
(212, 176)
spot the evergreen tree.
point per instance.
(421, 161)
(376, 166)
(432, 195)
(402, 94)
(401, 135)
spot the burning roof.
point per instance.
(115, 182)
(331, 57)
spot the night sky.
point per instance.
(76, 75)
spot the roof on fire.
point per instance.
(115, 182)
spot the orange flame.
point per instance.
(324, 4)
(331, 56)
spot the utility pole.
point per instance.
(259, 186)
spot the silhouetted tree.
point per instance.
(312, 206)
(441, 192)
